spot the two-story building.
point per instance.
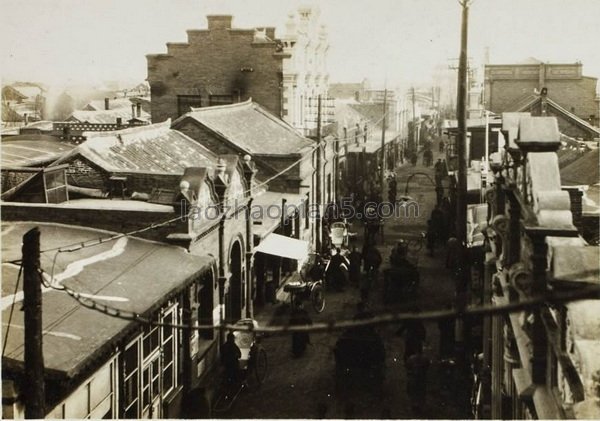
(224, 65)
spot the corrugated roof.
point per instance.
(152, 148)
(107, 116)
(29, 153)
(582, 171)
(251, 128)
(128, 274)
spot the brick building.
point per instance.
(568, 95)
(223, 65)
(121, 182)
(218, 65)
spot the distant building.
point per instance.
(554, 89)
(22, 103)
(121, 111)
(224, 65)
(345, 91)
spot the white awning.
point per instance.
(280, 245)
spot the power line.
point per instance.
(12, 307)
(592, 292)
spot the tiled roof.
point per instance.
(107, 116)
(582, 171)
(29, 153)
(113, 104)
(250, 127)
(129, 273)
(152, 148)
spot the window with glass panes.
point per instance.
(131, 379)
(169, 343)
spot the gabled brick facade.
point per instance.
(217, 65)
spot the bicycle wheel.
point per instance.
(317, 297)
(261, 365)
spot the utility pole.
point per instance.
(34, 395)
(461, 191)
(318, 227)
(414, 116)
(382, 169)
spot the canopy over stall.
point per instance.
(279, 245)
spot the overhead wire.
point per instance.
(12, 308)
(592, 292)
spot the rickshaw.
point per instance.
(253, 365)
(309, 288)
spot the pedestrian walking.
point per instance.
(416, 381)
(414, 336)
(230, 358)
(300, 340)
(446, 328)
(364, 284)
(442, 145)
(438, 169)
(355, 258)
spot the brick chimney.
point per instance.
(106, 104)
(270, 32)
(216, 22)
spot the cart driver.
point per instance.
(230, 357)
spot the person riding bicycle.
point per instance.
(230, 358)
(406, 271)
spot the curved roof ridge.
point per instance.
(246, 103)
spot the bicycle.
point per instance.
(253, 367)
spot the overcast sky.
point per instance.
(66, 41)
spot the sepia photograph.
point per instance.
(300, 209)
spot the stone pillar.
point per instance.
(576, 195)
(539, 339)
(514, 231)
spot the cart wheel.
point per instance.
(317, 296)
(261, 365)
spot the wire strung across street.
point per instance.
(12, 307)
(592, 292)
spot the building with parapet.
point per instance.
(556, 89)
(224, 65)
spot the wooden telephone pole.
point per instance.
(34, 395)
(462, 284)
